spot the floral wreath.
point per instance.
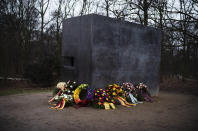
(63, 94)
(77, 93)
(101, 97)
(143, 90)
(141, 87)
(114, 90)
(127, 88)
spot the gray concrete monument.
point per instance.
(99, 50)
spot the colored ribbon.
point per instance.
(133, 99)
(60, 105)
(51, 100)
(126, 102)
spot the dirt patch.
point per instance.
(179, 86)
(169, 111)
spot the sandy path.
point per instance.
(29, 112)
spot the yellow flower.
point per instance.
(112, 100)
(114, 93)
(102, 94)
(99, 103)
(107, 99)
(95, 94)
(113, 88)
(115, 85)
(99, 97)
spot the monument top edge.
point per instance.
(115, 19)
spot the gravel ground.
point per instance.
(30, 112)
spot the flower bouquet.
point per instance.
(63, 94)
(101, 98)
(143, 93)
(116, 92)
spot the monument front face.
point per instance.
(113, 51)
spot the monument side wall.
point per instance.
(125, 52)
(139, 55)
(105, 59)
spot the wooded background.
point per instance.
(31, 31)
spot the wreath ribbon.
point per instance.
(51, 100)
(133, 99)
(123, 102)
(60, 105)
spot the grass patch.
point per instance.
(13, 91)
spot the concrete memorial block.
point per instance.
(99, 50)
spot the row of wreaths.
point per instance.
(69, 93)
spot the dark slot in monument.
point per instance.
(99, 50)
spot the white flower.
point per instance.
(65, 96)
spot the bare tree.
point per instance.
(84, 5)
(43, 6)
(58, 16)
(107, 4)
(69, 8)
(141, 7)
(18, 20)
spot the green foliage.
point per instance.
(140, 97)
(128, 99)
